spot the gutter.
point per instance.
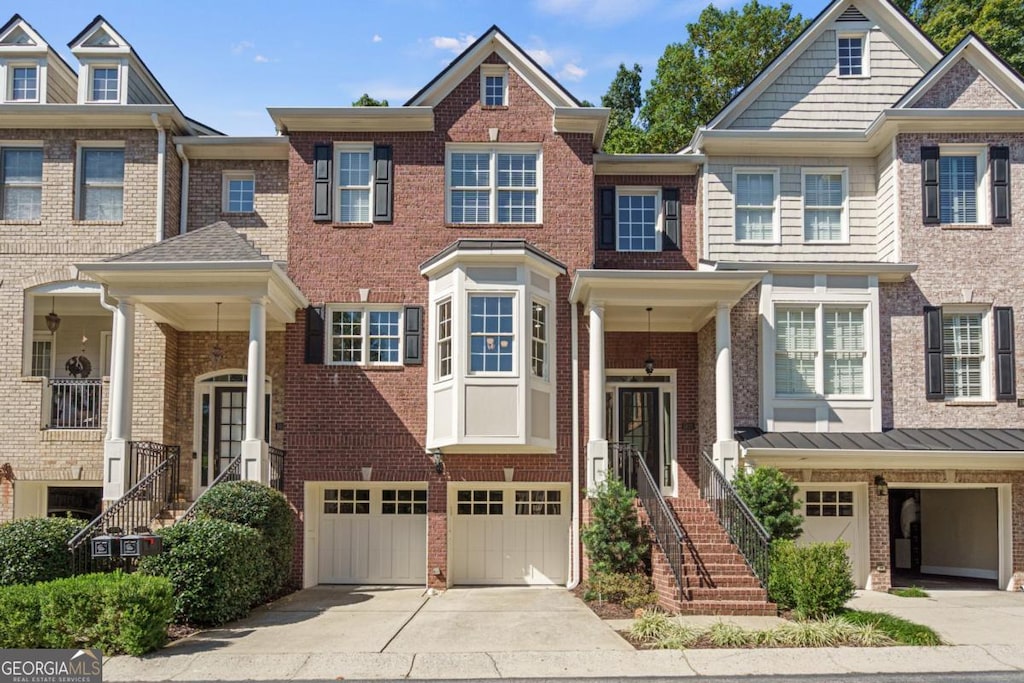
(183, 222)
(161, 171)
(574, 528)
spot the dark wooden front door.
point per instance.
(638, 425)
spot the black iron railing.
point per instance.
(627, 463)
(76, 403)
(276, 467)
(137, 508)
(744, 530)
(146, 456)
(233, 472)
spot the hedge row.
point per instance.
(36, 549)
(117, 613)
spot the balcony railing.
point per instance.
(76, 403)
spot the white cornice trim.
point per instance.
(888, 459)
(647, 164)
(227, 147)
(593, 120)
(886, 272)
(354, 119)
(110, 116)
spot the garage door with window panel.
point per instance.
(373, 534)
(514, 534)
(834, 513)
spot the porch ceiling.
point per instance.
(682, 300)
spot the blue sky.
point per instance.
(224, 62)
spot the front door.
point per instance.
(638, 425)
(220, 420)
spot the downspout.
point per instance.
(161, 169)
(574, 532)
(183, 224)
(105, 303)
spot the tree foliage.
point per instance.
(366, 101)
(624, 136)
(771, 496)
(615, 540)
(725, 50)
(1000, 23)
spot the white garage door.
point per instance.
(373, 534)
(833, 513)
(514, 534)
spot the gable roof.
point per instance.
(215, 243)
(99, 25)
(35, 42)
(494, 40)
(978, 54)
(917, 45)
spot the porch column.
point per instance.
(254, 449)
(726, 450)
(597, 444)
(119, 413)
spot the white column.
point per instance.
(254, 449)
(597, 444)
(726, 450)
(119, 413)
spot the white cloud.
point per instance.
(542, 57)
(596, 11)
(240, 47)
(455, 45)
(376, 38)
(572, 72)
(260, 59)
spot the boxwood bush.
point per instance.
(814, 581)
(267, 511)
(217, 569)
(118, 613)
(36, 549)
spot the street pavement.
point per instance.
(347, 633)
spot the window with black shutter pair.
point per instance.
(371, 337)
(638, 219)
(957, 346)
(951, 185)
(353, 183)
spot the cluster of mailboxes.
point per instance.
(116, 543)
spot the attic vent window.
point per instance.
(494, 85)
(851, 13)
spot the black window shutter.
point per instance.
(315, 334)
(413, 335)
(383, 184)
(606, 218)
(930, 184)
(670, 240)
(999, 162)
(933, 353)
(1006, 385)
(322, 183)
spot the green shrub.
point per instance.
(217, 569)
(814, 581)
(629, 590)
(909, 592)
(262, 508)
(36, 549)
(616, 542)
(118, 613)
(771, 496)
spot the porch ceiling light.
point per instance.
(649, 361)
(881, 485)
(52, 319)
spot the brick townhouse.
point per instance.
(437, 326)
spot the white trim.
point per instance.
(80, 147)
(493, 70)
(44, 337)
(225, 192)
(897, 254)
(659, 214)
(987, 351)
(337, 187)
(982, 187)
(478, 290)
(106, 347)
(865, 62)
(777, 211)
(8, 69)
(861, 516)
(365, 310)
(494, 149)
(844, 173)
(88, 74)
(613, 385)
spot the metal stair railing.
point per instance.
(233, 472)
(276, 460)
(745, 531)
(137, 508)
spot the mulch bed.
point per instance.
(179, 631)
(605, 610)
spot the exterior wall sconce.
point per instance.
(649, 361)
(881, 485)
(438, 460)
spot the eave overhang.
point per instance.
(647, 164)
(483, 251)
(885, 459)
(592, 120)
(226, 147)
(886, 272)
(93, 116)
(352, 119)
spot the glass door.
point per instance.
(638, 425)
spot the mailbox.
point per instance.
(106, 545)
(141, 545)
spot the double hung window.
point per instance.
(101, 192)
(824, 206)
(360, 336)
(757, 210)
(22, 191)
(494, 186)
(820, 357)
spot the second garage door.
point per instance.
(509, 534)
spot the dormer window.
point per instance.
(852, 55)
(104, 86)
(24, 84)
(494, 85)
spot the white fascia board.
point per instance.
(99, 24)
(228, 147)
(983, 60)
(886, 272)
(593, 120)
(647, 164)
(109, 116)
(887, 459)
(492, 257)
(728, 283)
(355, 119)
(32, 34)
(287, 285)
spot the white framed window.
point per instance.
(42, 355)
(494, 85)
(444, 339)
(825, 204)
(963, 171)
(104, 84)
(820, 350)
(101, 183)
(638, 219)
(355, 183)
(852, 55)
(492, 333)
(539, 340)
(24, 83)
(756, 208)
(238, 193)
(829, 503)
(364, 336)
(965, 363)
(494, 185)
(22, 189)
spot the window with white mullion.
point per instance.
(844, 351)
(22, 189)
(539, 341)
(444, 339)
(470, 184)
(354, 186)
(796, 350)
(517, 188)
(346, 337)
(637, 221)
(365, 337)
(850, 55)
(102, 188)
(42, 356)
(493, 186)
(958, 188)
(24, 83)
(963, 356)
(105, 84)
(824, 204)
(384, 336)
(755, 196)
(491, 333)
